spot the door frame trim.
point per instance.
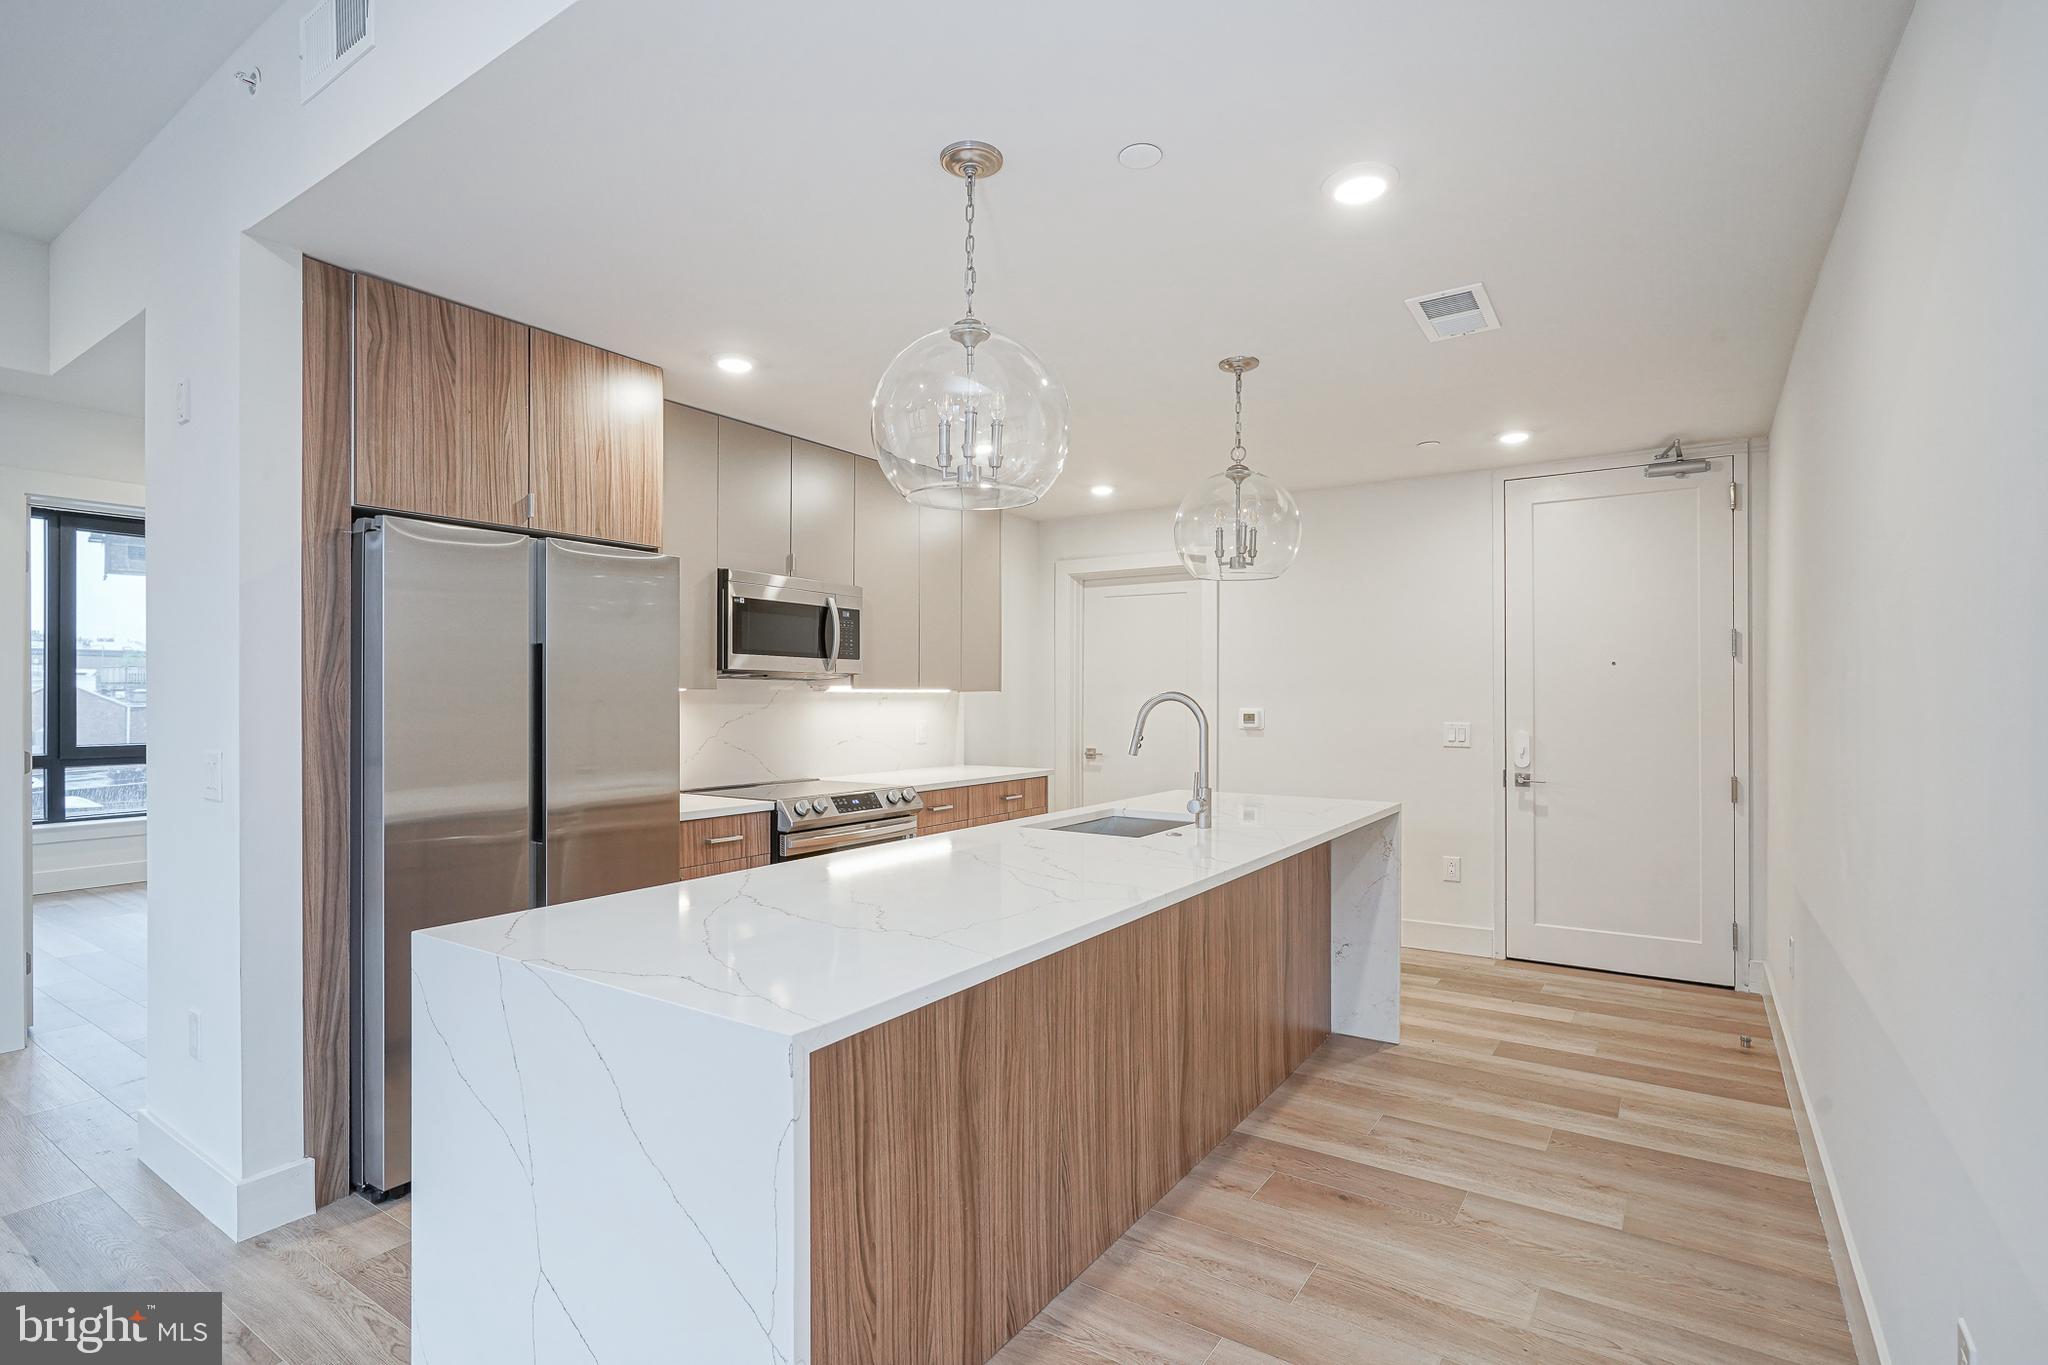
(1070, 578)
(1748, 672)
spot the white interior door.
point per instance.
(1138, 637)
(1621, 722)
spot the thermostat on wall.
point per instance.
(1251, 718)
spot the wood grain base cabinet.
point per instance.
(970, 1159)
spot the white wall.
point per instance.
(1909, 573)
(47, 450)
(24, 304)
(1379, 633)
(167, 239)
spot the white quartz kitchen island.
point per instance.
(612, 1100)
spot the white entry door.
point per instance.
(1621, 722)
(1138, 637)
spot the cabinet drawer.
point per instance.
(943, 809)
(1007, 800)
(724, 839)
(690, 874)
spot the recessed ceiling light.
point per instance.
(734, 364)
(1103, 490)
(1513, 438)
(1360, 184)
(1140, 156)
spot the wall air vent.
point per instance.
(1452, 313)
(331, 36)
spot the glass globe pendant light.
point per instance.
(1237, 524)
(965, 416)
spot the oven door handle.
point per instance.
(850, 836)
(832, 620)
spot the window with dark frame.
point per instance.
(88, 667)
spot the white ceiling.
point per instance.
(1645, 189)
(85, 84)
(107, 377)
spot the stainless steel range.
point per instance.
(814, 816)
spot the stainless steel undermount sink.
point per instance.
(1122, 826)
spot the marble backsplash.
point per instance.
(768, 731)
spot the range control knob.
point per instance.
(909, 793)
(892, 796)
(803, 808)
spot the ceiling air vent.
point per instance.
(331, 36)
(1452, 313)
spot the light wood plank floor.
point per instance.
(1554, 1165)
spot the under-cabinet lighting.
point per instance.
(897, 691)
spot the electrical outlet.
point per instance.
(1457, 734)
(1454, 869)
(1966, 1346)
(924, 730)
(192, 1034)
(211, 782)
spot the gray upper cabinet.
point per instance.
(981, 601)
(885, 561)
(939, 597)
(821, 523)
(753, 498)
(689, 531)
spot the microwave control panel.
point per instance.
(849, 632)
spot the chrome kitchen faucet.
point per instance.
(1199, 807)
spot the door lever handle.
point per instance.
(1524, 780)
(1091, 753)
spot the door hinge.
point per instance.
(1735, 934)
(1734, 643)
(1734, 498)
(1734, 791)
(1503, 777)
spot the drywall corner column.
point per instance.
(222, 1120)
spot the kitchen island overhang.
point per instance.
(614, 1100)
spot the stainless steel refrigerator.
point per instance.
(514, 745)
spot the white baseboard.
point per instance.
(1864, 1327)
(1473, 940)
(240, 1208)
(90, 877)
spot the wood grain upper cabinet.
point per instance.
(981, 602)
(597, 442)
(440, 407)
(689, 531)
(753, 498)
(821, 513)
(938, 596)
(885, 555)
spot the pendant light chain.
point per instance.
(970, 279)
(1237, 451)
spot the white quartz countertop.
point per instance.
(952, 775)
(704, 805)
(820, 948)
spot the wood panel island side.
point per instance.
(875, 1107)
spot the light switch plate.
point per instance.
(212, 783)
(1457, 734)
(182, 405)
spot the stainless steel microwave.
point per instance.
(774, 626)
